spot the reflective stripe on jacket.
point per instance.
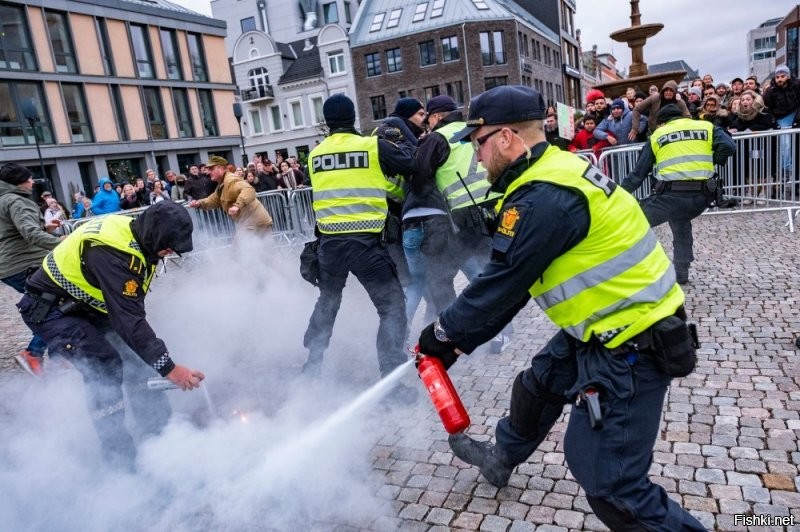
(616, 282)
(63, 264)
(349, 186)
(683, 150)
(464, 162)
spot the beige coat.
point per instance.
(236, 192)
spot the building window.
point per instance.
(547, 60)
(316, 108)
(248, 24)
(394, 18)
(172, 58)
(75, 103)
(16, 52)
(437, 8)
(60, 41)
(492, 48)
(480, 4)
(455, 89)
(259, 82)
(336, 62)
(450, 49)
(275, 116)
(155, 112)
(427, 53)
(105, 47)
(378, 107)
(256, 128)
(180, 99)
(119, 112)
(373, 64)
(15, 129)
(141, 51)
(537, 51)
(495, 81)
(419, 12)
(377, 22)
(207, 113)
(394, 60)
(296, 109)
(197, 57)
(330, 14)
(347, 16)
(431, 92)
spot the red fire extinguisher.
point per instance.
(443, 394)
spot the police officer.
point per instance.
(683, 152)
(351, 208)
(579, 245)
(458, 175)
(88, 293)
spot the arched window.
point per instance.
(254, 53)
(259, 77)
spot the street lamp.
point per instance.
(237, 112)
(32, 116)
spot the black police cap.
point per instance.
(503, 105)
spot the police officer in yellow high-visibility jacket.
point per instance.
(88, 298)
(681, 154)
(579, 245)
(349, 201)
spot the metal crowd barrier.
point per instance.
(588, 155)
(762, 176)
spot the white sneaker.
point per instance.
(762, 200)
(747, 202)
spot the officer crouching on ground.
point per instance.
(580, 245)
(684, 152)
(93, 285)
(351, 207)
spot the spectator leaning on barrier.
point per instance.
(683, 152)
(585, 140)
(196, 187)
(564, 232)
(237, 198)
(24, 242)
(89, 294)
(616, 128)
(782, 99)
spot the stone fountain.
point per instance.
(635, 37)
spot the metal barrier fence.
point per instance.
(588, 155)
(762, 176)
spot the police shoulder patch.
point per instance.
(130, 288)
(508, 223)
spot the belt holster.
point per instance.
(41, 307)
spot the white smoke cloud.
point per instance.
(272, 468)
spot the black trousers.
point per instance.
(369, 261)
(678, 209)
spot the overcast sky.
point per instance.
(711, 36)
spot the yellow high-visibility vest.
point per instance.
(683, 150)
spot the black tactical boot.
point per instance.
(484, 455)
(682, 272)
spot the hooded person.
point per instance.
(24, 242)
(106, 200)
(87, 301)
(654, 102)
(616, 127)
(409, 117)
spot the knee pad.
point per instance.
(533, 411)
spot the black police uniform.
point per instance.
(610, 464)
(678, 202)
(103, 347)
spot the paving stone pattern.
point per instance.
(728, 442)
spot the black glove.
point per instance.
(430, 346)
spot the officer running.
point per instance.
(683, 152)
(579, 245)
(90, 291)
(351, 207)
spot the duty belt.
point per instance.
(681, 186)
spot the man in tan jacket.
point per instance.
(236, 197)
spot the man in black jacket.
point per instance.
(88, 294)
(782, 98)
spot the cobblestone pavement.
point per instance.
(728, 443)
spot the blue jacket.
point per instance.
(105, 201)
(619, 128)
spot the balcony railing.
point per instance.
(257, 93)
